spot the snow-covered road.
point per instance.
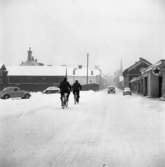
(103, 130)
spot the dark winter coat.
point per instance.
(76, 87)
(65, 87)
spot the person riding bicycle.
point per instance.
(76, 87)
(65, 87)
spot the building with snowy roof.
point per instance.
(151, 82)
(35, 78)
(80, 74)
(134, 71)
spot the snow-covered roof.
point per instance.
(49, 71)
(36, 71)
(83, 71)
(159, 63)
(135, 79)
(136, 64)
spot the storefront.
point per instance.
(134, 71)
(154, 77)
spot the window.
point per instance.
(15, 89)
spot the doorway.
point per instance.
(145, 86)
(160, 86)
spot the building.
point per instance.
(37, 78)
(80, 74)
(134, 71)
(31, 61)
(151, 82)
(154, 79)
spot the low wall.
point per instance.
(94, 87)
(41, 86)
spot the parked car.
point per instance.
(12, 92)
(51, 89)
(111, 89)
(127, 91)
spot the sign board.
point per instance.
(156, 71)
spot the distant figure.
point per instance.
(76, 87)
(65, 89)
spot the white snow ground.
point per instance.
(103, 130)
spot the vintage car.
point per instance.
(51, 89)
(14, 92)
(111, 90)
(127, 91)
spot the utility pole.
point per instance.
(66, 73)
(87, 66)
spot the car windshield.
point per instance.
(111, 87)
(52, 88)
(127, 89)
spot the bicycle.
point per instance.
(76, 98)
(64, 100)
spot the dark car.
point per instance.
(111, 90)
(127, 91)
(13, 92)
(51, 89)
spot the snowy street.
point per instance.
(104, 130)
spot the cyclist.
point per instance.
(65, 88)
(76, 87)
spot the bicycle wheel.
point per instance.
(75, 98)
(65, 100)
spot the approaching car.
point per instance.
(52, 89)
(111, 89)
(127, 91)
(12, 92)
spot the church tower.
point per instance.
(30, 60)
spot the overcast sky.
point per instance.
(63, 31)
